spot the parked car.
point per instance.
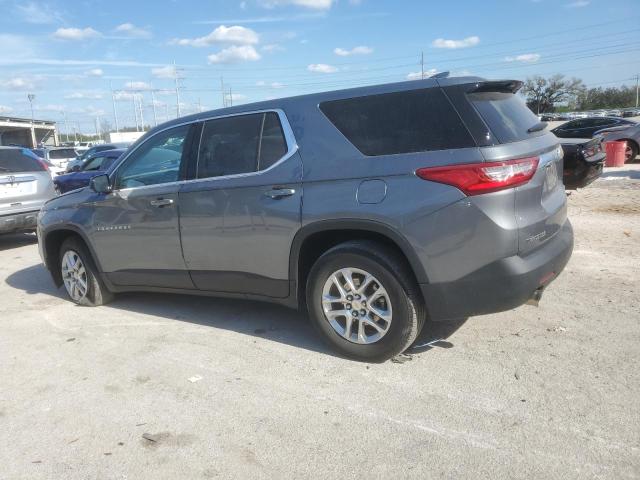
(587, 127)
(60, 156)
(629, 133)
(631, 112)
(583, 161)
(96, 164)
(53, 169)
(440, 197)
(25, 184)
(78, 161)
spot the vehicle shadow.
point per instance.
(258, 319)
(15, 240)
(632, 174)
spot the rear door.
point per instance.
(25, 183)
(540, 204)
(239, 215)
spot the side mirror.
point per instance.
(76, 168)
(100, 184)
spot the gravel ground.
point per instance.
(234, 389)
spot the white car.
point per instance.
(60, 156)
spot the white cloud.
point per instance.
(275, 85)
(49, 107)
(138, 86)
(18, 83)
(38, 13)
(243, 5)
(83, 95)
(5, 109)
(272, 47)
(578, 4)
(524, 58)
(235, 54)
(464, 43)
(130, 30)
(125, 95)
(94, 72)
(236, 34)
(76, 33)
(164, 72)
(237, 97)
(418, 75)
(322, 68)
(313, 4)
(361, 50)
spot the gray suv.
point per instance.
(374, 208)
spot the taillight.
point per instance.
(478, 178)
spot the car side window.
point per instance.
(240, 144)
(156, 161)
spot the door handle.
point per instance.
(278, 193)
(161, 202)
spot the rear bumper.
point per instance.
(501, 285)
(18, 221)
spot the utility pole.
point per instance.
(199, 105)
(115, 111)
(175, 78)
(153, 104)
(224, 100)
(422, 65)
(135, 109)
(140, 98)
(97, 128)
(66, 125)
(230, 97)
(31, 98)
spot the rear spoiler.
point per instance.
(501, 86)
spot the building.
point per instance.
(21, 131)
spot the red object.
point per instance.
(478, 178)
(615, 153)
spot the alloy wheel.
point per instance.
(74, 275)
(356, 305)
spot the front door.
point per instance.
(239, 216)
(136, 229)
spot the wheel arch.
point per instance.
(53, 240)
(314, 239)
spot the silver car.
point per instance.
(25, 185)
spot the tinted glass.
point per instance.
(273, 145)
(506, 115)
(229, 146)
(403, 122)
(156, 161)
(17, 161)
(62, 153)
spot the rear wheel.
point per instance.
(364, 301)
(80, 276)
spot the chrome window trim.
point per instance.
(290, 139)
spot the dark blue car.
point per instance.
(98, 163)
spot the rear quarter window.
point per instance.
(400, 122)
(506, 115)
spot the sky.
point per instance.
(79, 58)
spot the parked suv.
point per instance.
(374, 208)
(25, 184)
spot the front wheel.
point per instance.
(80, 276)
(364, 301)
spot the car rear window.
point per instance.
(401, 122)
(506, 115)
(62, 153)
(18, 161)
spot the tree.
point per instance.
(543, 93)
(612, 97)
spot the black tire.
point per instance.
(634, 151)
(97, 293)
(393, 273)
